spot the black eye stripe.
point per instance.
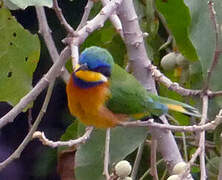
(82, 67)
(104, 70)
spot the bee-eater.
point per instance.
(102, 94)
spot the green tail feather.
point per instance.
(177, 106)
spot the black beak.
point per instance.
(82, 67)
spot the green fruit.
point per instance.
(168, 62)
(182, 61)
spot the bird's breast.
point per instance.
(87, 103)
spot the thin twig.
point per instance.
(184, 146)
(45, 31)
(153, 167)
(70, 143)
(74, 55)
(86, 13)
(201, 147)
(30, 118)
(160, 77)
(169, 40)
(95, 23)
(16, 154)
(183, 137)
(106, 155)
(61, 18)
(115, 20)
(203, 175)
(75, 48)
(194, 128)
(53, 72)
(218, 49)
(148, 171)
(164, 174)
(190, 163)
(220, 168)
(69, 30)
(194, 156)
(212, 94)
(137, 161)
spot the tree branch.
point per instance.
(137, 161)
(86, 13)
(70, 143)
(61, 18)
(195, 128)
(45, 31)
(96, 22)
(160, 77)
(106, 155)
(115, 20)
(220, 167)
(203, 175)
(139, 61)
(153, 168)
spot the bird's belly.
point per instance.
(88, 105)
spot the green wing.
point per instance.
(129, 97)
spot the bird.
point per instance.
(102, 94)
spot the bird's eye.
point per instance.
(104, 70)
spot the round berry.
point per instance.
(168, 62)
(182, 61)
(123, 168)
(180, 168)
(173, 177)
(125, 178)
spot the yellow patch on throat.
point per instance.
(90, 76)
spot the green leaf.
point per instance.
(19, 56)
(10, 5)
(201, 32)
(16, 4)
(45, 163)
(217, 138)
(178, 20)
(202, 35)
(89, 157)
(213, 167)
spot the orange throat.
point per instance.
(88, 104)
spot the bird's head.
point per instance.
(94, 68)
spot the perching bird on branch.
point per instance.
(102, 94)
